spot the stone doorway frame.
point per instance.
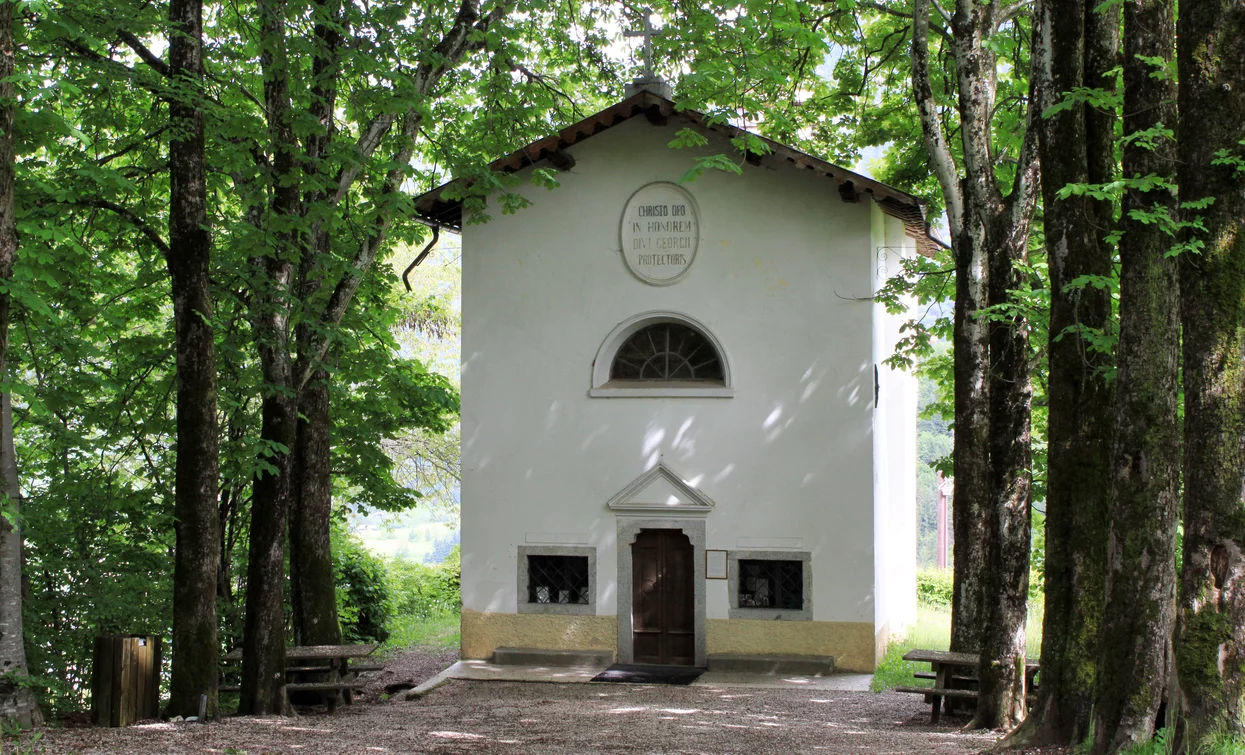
(628, 530)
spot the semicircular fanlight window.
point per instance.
(667, 352)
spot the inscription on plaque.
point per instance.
(659, 233)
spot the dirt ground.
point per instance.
(513, 717)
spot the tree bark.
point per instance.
(311, 556)
(1210, 645)
(1001, 696)
(970, 354)
(264, 637)
(17, 702)
(1001, 685)
(982, 222)
(1076, 148)
(195, 653)
(1141, 576)
(312, 580)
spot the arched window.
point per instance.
(667, 351)
(661, 354)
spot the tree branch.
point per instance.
(889, 11)
(1007, 13)
(121, 210)
(449, 51)
(1026, 185)
(147, 56)
(941, 159)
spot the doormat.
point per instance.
(641, 673)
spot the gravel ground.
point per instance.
(406, 670)
(514, 717)
(511, 717)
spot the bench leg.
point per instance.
(942, 680)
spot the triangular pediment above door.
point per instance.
(661, 490)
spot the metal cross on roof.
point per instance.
(648, 32)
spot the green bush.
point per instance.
(363, 596)
(934, 587)
(421, 591)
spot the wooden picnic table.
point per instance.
(953, 676)
(334, 661)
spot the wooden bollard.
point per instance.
(125, 686)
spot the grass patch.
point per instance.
(932, 631)
(439, 631)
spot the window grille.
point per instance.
(664, 352)
(771, 584)
(557, 579)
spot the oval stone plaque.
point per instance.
(659, 233)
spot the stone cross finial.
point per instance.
(648, 32)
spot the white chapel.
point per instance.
(679, 438)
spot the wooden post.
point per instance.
(125, 686)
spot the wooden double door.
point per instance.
(663, 599)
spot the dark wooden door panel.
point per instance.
(662, 579)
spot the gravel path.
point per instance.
(513, 717)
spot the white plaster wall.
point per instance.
(790, 456)
(897, 418)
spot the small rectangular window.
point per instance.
(557, 579)
(771, 584)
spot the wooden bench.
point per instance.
(343, 679)
(952, 675)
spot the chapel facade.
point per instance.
(679, 437)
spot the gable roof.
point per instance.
(434, 209)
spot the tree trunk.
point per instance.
(1076, 147)
(263, 652)
(980, 218)
(971, 445)
(1001, 698)
(17, 702)
(1210, 645)
(196, 560)
(1141, 558)
(314, 587)
(311, 556)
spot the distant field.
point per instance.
(412, 541)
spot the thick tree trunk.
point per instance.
(999, 227)
(971, 450)
(1210, 645)
(263, 652)
(196, 560)
(1141, 571)
(971, 338)
(1001, 699)
(264, 635)
(17, 702)
(311, 556)
(1076, 147)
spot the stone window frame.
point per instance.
(572, 609)
(603, 387)
(734, 611)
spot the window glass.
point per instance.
(771, 584)
(667, 352)
(557, 579)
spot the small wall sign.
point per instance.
(659, 233)
(715, 564)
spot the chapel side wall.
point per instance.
(884, 549)
(781, 278)
(895, 447)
